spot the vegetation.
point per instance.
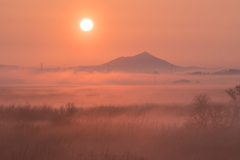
(222, 72)
(234, 93)
(207, 115)
(203, 130)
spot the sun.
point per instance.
(86, 24)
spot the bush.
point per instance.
(234, 93)
(207, 115)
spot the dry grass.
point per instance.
(111, 133)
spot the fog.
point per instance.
(117, 116)
(93, 88)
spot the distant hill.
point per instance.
(141, 63)
(9, 67)
(222, 72)
(32, 69)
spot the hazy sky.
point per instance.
(184, 32)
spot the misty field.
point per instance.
(117, 95)
(201, 130)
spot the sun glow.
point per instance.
(86, 25)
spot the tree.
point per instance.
(208, 116)
(234, 93)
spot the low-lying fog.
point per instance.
(91, 89)
(151, 117)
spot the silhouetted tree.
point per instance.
(234, 93)
(207, 115)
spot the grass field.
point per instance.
(132, 132)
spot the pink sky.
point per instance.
(187, 33)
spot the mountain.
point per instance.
(141, 63)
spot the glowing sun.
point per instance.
(86, 24)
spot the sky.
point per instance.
(187, 33)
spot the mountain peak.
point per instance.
(140, 63)
(144, 54)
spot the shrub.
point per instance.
(207, 115)
(234, 93)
